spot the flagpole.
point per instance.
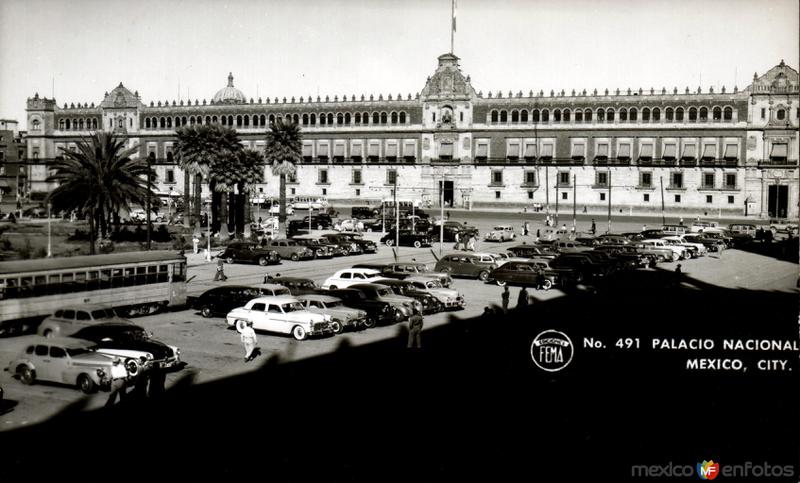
(452, 23)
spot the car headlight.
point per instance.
(101, 373)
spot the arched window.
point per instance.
(515, 116)
(495, 117)
(780, 115)
(633, 114)
(578, 115)
(545, 115)
(162, 123)
(523, 116)
(322, 119)
(230, 120)
(383, 118)
(330, 119)
(535, 115)
(183, 121)
(728, 114)
(80, 124)
(623, 114)
(69, 124)
(263, 119)
(669, 114)
(313, 119)
(692, 114)
(679, 114)
(305, 119)
(503, 116)
(717, 114)
(296, 118)
(214, 119)
(394, 118)
(170, 156)
(61, 124)
(94, 123)
(587, 115)
(610, 115)
(169, 122)
(147, 123)
(703, 114)
(601, 115)
(271, 119)
(557, 115)
(357, 118)
(340, 119)
(402, 118)
(191, 120)
(238, 121)
(246, 121)
(646, 114)
(347, 118)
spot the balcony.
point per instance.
(775, 162)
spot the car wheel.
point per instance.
(389, 242)
(547, 284)
(370, 323)
(332, 287)
(158, 219)
(299, 333)
(229, 260)
(26, 375)
(206, 312)
(483, 276)
(369, 230)
(48, 333)
(86, 384)
(295, 257)
(500, 283)
(263, 261)
(447, 270)
(660, 259)
(417, 244)
(320, 227)
(240, 325)
(337, 327)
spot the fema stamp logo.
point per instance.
(551, 350)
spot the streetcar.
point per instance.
(131, 283)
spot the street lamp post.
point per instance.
(49, 244)
(149, 180)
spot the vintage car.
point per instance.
(378, 312)
(743, 228)
(289, 249)
(500, 233)
(430, 304)
(533, 251)
(524, 274)
(68, 361)
(365, 246)
(319, 221)
(345, 242)
(697, 249)
(296, 285)
(450, 298)
(657, 253)
(250, 253)
(402, 270)
(467, 265)
(569, 246)
(361, 212)
(350, 276)
(701, 226)
(674, 229)
(373, 291)
(70, 319)
(628, 254)
(678, 252)
(342, 317)
(585, 268)
(110, 336)
(221, 300)
(284, 315)
(322, 247)
(783, 225)
(502, 258)
(407, 239)
(613, 239)
(275, 209)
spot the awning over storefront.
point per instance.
(578, 151)
(624, 151)
(670, 151)
(689, 152)
(530, 150)
(646, 151)
(779, 151)
(602, 151)
(710, 151)
(513, 150)
(482, 151)
(446, 149)
(547, 151)
(338, 150)
(731, 151)
(391, 150)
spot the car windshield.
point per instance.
(422, 268)
(103, 314)
(292, 307)
(383, 292)
(372, 275)
(331, 305)
(78, 351)
(306, 285)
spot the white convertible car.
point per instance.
(281, 314)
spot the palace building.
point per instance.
(732, 152)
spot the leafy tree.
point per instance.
(98, 179)
(283, 151)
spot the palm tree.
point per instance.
(251, 172)
(283, 150)
(98, 179)
(198, 147)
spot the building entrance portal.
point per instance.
(777, 201)
(446, 190)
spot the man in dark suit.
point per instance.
(415, 331)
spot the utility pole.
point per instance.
(663, 220)
(574, 201)
(397, 216)
(609, 201)
(49, 244)
(149, 180)
(557, 193)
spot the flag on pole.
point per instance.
(455, 5)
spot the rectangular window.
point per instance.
(324, 191)
(763, 113)
(602, 179)
(646, 197)
(563, 178)
(391, 177)
(564, 195)
(294, 191)
(323, 176)
(730, 180)
(677, 180)
(497, 177)
(708, 180)
(677, 198)
(646, 180)
(358, 192)
(709, 198)
(530, 177)
(530, 195)
(497, 195)
(602, 196)
(356, 176)
(170, 176)
(730, 200)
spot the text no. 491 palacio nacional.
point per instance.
(731, 151)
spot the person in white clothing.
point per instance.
(249, 340)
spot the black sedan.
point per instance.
(127, 336)
(221, 300)
(249, 252)
(430, 304)
(296, 285)
(523, 274)
(407, 239)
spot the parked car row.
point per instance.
(271, 251)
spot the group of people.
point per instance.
(150, 383)
(523, 299)
(467, 240)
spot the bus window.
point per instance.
(130, 276)
(117, 278)
(66, 283)
(151, 274)
(40, 285)
(26, 287)
(141, 275)
(80, 282)
(105, 278)
(54, 284)
(163, 273)
(179, 273)
(92, 280)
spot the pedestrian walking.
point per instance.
(457, 246)
(471, 243)
(220, 270)
(644, 227)
(249, 340)
(415, 324)
(448, 214)
(594, 227)
(522, 300)
(119, 387)
(538, 234)
(678, 275)
(681, 222)
(564, 227)
(525, 229)
(505, 296)
(196, 242)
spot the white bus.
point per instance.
(306, 202)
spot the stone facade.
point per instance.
(729, 152)
(13, 175)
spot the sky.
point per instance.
(184, 49)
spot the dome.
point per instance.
(229, 94)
